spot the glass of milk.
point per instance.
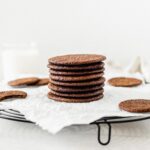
(20, 59)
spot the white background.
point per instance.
(118, 29)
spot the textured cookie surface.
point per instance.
(59, 88)
(82, 72)
(79, 84)
(42, 81)
(77, 68)
(124, 82)
(23, 81)
(73, 100)
(76, 78)
(76, 59)
(12, 94)
(78, 95)
(137, 105)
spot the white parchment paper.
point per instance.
(53, 116)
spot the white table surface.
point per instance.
(23, 136)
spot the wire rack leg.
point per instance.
(99, 134)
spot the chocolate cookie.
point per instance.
(24, 81)
(76, 78)
(12, 94)
(59, 88)
(42, 81)
(78, 95)
(79, 84)
(124, 82)
(76, 68)
(74, 73)
(76, 59)
(135, 105)
(73, 100)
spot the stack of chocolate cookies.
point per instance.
(76, 78)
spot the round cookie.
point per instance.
(23, 81)
(78, 95)
(76, 78)
(79, 84)
(76, 68)
(42, 81)
(135, 105)
(76, 59)
(73, 100)
(12, 94)
(59, 88)
(74, 73)
(124, 82)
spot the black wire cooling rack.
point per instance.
(14, 115)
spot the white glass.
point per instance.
(20, 59)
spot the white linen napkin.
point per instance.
(141, 65)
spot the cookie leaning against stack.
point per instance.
(76, 78)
